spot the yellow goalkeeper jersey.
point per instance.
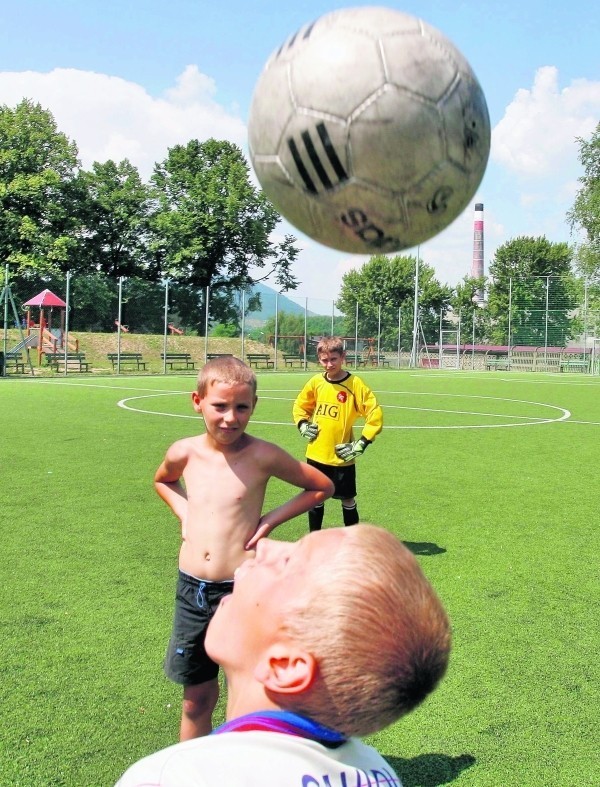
(334, 407)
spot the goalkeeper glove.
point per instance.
(350, 451)
(308, 430)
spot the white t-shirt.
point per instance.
(261, 759)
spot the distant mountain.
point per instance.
(269, 299)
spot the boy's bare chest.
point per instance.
(215, 474)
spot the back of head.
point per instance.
(225, 369)
(378, 631)
(330, 344)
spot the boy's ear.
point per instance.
(196, 401)
(284, 670)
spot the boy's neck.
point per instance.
(228, 448)
(341, 375)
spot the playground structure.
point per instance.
(37, 334)
(121, 327)
(40, 333)
(174, 330)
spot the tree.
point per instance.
(37, 173)
(532, 288)
(473, 319)
(585, 213)
(211, 226)
(389, 282)
(114, 212)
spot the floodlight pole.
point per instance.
(5, 337)
(120, 310)
(305, 331)
(276, 339)
(413, 355)
(66, 336)
(166, 324)
(356, 338)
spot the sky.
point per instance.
(130, 80)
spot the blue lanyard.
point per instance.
(286, 722)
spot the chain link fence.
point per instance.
(134, 325)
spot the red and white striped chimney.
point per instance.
(477, 266)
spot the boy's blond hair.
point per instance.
(330, 344)
(377, 630)
(226, 369)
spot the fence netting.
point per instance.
(104, 318)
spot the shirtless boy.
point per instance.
(215, 484)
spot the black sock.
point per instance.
(350, 515)
(315, 518)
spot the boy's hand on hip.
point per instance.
(308, 430)
(263, 530)
(350, 451)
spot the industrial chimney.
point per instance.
(477, 266)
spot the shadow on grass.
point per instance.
(424, 548)
(430, 770)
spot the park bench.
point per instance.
(179, 360)
(355, 358)
(293, 358)
(74, 362)
(14, 362)
(568, 364)
(212, 356)
(127, 359)
(498, 362)
(260, 359)
(378, 360)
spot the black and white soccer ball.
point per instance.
(369, 131)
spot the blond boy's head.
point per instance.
(377, 630)
(228, 370)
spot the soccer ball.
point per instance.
(368, 130)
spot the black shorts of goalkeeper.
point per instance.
(343, 477)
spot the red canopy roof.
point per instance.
(45, 299)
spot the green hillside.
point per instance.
(96, 346)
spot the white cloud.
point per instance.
(536, 136)
(533, 151)
(111, 118)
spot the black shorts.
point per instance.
(343, 477)
(196, 601)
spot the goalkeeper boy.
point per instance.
(324, 412)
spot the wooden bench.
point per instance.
(14, 362)
(70, 362)
(378, 360)
(292, 358)
(126, 359)
(355, 358)
(260, 359)
(497, 362)
(212, 356)
(179, 360)
(567, 364)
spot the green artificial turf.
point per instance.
(497, 497)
